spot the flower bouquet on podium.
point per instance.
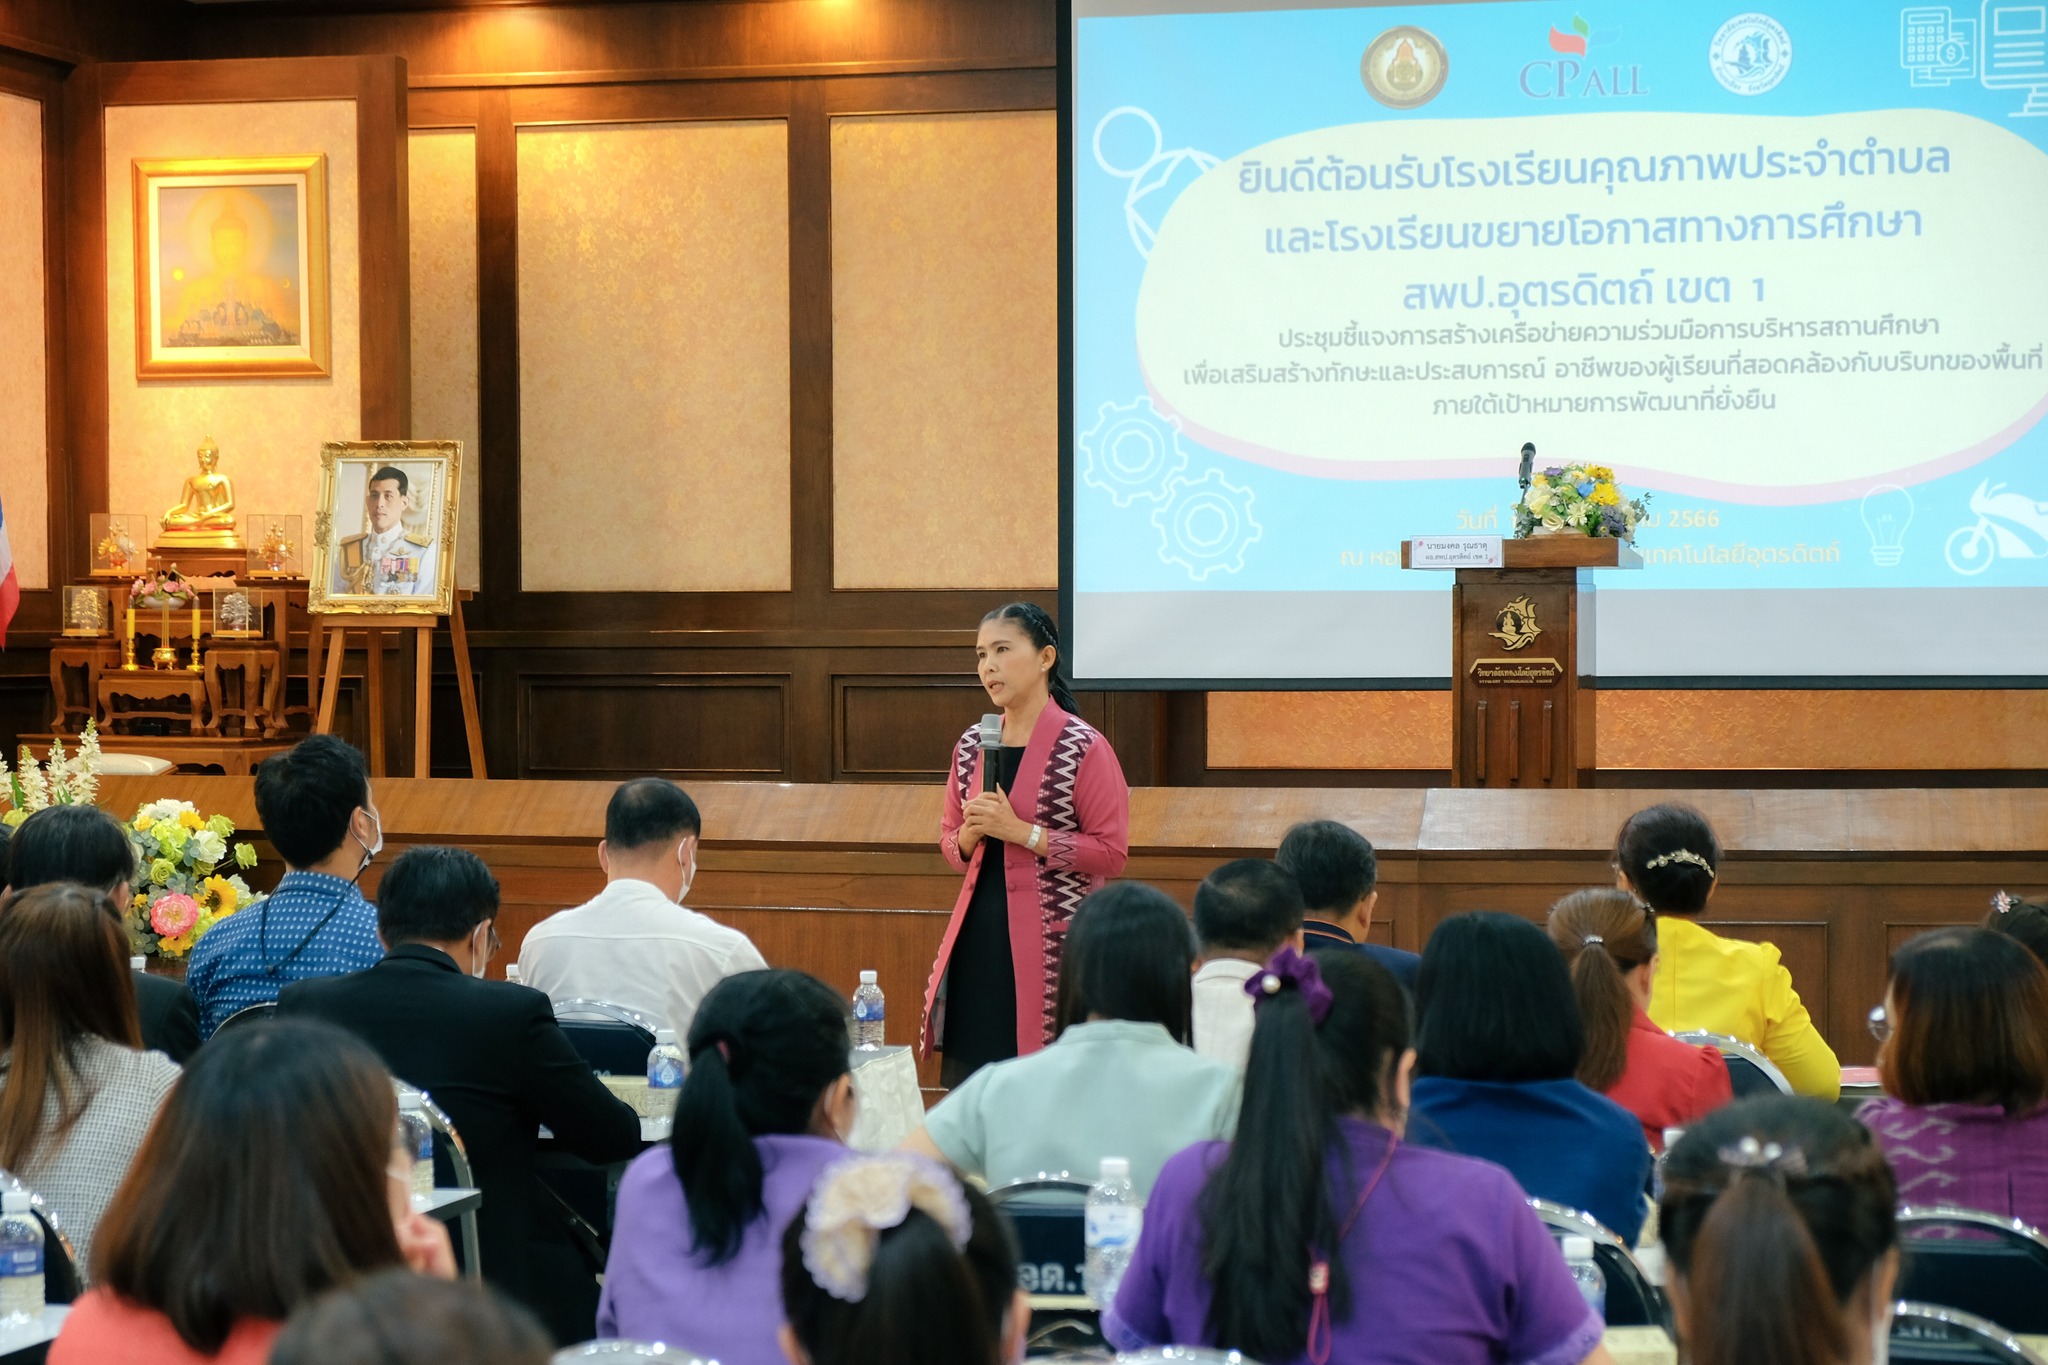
(1578, 500)
(181, 893)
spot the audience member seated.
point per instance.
(273, 1174)
(2026, 921)
(398, 1318)
(313, 802)
(637, 944)
(1119, 1080)
(1777, 1217)
(86, 845)
(1244, 912)
(1668, 856)
(895, 1262)
(1609, 941)
(77, 1093)
(1318, 1234)
(493, 1057)
(696, 1252)
(1338, 874)
(1499, 1049)
(1964, 1058)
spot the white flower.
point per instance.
(206, 848)
(34, 790)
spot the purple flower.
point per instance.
(1554, 472)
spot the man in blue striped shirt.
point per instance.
(314, 804)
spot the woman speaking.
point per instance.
(1036, 825)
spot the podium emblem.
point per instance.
(1515, 626)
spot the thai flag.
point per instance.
(10, 588)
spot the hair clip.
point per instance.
(1592, 940)
(858, 1199)
(1752, 1156)
(1680, 855)
(2002, 902)
(1290, 968)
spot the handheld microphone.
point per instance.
(991, 751)
(1528, 463)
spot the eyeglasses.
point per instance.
(1880, 1023)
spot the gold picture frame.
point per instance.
(385, 546)
(231, 268)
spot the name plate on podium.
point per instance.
(1453, 552)
(1516, 672)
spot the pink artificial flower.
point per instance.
(174, 915)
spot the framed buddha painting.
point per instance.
(384, 534)
(231, 268)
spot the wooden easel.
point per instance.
(373, 629)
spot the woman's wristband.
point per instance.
(1037, 837)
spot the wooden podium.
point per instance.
(1518, 648)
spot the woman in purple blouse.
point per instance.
(696, 1257)
(1963, 1052)
(1318, 1235)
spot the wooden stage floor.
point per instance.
(834, 878)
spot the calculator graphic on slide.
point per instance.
(1936, 46)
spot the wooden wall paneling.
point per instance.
(70, 32)
(900, 728)
(582, 725)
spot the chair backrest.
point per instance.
(1928, 1333)
(1982, 1263)
(257, 1013)
(613, 1039)
(1186, 1355)
(1749, 1071)
(62, 1279)
(1632, 1301)
(1049, 1215)
(450, 1142)
(615, 1349)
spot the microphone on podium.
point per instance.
(991, 752)
(1528, 463)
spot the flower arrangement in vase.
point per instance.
(1578, 499)
(163, 588)
(180, 892)
(58, 781)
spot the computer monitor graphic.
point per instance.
(2016, 51)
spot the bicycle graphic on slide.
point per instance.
(2009, 526)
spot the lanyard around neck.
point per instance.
(263, 933)
(1319, 1265)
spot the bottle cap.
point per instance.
(664, 1037)
(15, 1201)
(411, 1102)
(1671, 1137)
(1116, 1168)
(138, 963)
(867, 978)
(1578, 1248)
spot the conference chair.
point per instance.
(1749, 1071)
(1632, 1301)
(449, 1143)
(613, 1039)
(1976, 1262)
(1184, 1355)
(60, 1259)
(1049, 1215)
(1926, 1334)
(258, 1013)
(616, 1349)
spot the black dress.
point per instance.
(981, 980)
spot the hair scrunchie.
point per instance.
(1292, 970)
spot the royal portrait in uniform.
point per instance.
(383, 538)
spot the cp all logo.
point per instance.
(1750, 54)
(1580, 66)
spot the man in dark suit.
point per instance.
(1339, 878)
(84, 844)
(492, 1056)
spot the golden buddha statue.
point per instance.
(205, 517)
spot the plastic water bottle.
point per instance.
(665, 1065)
(512, 973)
(21, 1259)
(138, 963)
(867, 1014)
(1578, 1258)
(419, 1140)
(1113, 1219)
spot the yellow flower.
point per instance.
(143, 822)
(160, 870)
(176, 947)
(140, 901)
(221, 895)
(190, 820)
(13, 818)
(1539, 480)
(1600, 473)
(1607, 495)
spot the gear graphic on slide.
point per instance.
(1206, 525)
(1132, 452)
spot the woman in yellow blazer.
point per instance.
(1668, 856)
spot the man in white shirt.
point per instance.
(1245, 911)
(636, 944)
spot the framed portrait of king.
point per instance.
(384, 534)
(231, 268)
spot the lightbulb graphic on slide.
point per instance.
(2009, 526)
(1155, 179)
(1887, 512)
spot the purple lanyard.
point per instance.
(1319, 1266)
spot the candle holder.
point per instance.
(195, 666)
(165, 655)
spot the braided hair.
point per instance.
(1037, 626)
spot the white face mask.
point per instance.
(1881, 1336)
(689, 873)
(370, 850)
(479, 949)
